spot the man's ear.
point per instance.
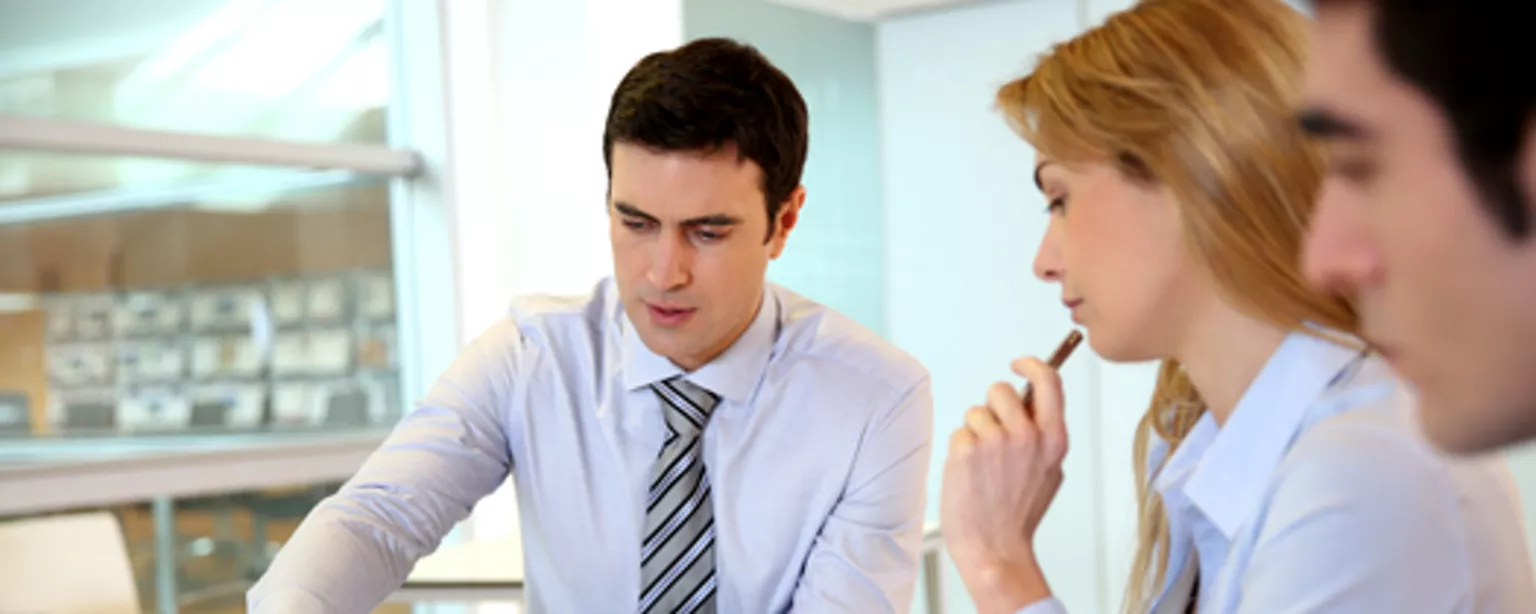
(1526, 167)
(785, 222)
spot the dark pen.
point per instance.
(1058, 358)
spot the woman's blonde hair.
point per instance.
(1195, 96)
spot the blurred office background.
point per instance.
(238, 237)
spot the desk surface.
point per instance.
(490, 561)
(492, 570)
(24, 452)
(499, 561)
(39, 475)
(483, 570)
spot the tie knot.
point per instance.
(687, 406)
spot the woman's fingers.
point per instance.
(1047, 405)
(983, 424)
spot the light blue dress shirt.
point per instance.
(817, 456)
(1319, 495)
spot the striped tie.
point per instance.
(677, 558)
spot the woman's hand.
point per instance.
(1003, 470)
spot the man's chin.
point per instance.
(663, 342)
(658, 340)
(1466, 430)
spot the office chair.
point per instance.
(66, 563)
(90, 416)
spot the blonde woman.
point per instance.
(1280, 466)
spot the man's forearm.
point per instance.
(336, 562)
(358, 546)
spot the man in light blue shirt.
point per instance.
(688, 438)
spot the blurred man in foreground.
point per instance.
(1427, 215)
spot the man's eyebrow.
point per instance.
(1321, 123)
(633, 211)
(716, 219)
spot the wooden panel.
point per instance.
(66, 255)
(314, 233)
(22, 364)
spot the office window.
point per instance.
(221, 268)
(289, 69)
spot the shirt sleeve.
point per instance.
(1362, 519)
(357, 547)
(1049, 605)
(866, 557)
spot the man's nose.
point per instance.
(672, 263)
(1338, 256)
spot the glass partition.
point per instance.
(226, 296)
(248, 299)
(217, 546)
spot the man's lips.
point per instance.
(669, 309)
(669, 316)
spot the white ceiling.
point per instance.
(870, 10)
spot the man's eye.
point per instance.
(635, 224)
(710, 235)
(1354, 170)
(1350, 165)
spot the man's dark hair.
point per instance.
(1473, 60)
(708, 94)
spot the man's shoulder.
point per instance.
(548, 316)
(1386, 487)
(1376, 450)
(840, 346)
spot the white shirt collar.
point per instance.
(733, 375)
(1228, 468)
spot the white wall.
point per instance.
(1522, 463)
(530, 86)
(1094, 11)
(530, 82)
(837, 254)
